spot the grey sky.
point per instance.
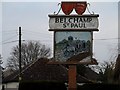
(33, 18)
(0, 26)
(119, 27)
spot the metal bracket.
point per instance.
(88, 4)
(59, 4)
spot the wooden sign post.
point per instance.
(72, 73)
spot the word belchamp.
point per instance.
(73, 22)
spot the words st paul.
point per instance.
(73, 22)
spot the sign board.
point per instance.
(72, 44)
(73, 22)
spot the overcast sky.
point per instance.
(33, 18)
(58, 0)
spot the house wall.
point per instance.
(0, 86)
(11, 86)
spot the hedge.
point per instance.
(99, 86)
(42, 86)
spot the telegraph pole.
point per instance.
(20, 54)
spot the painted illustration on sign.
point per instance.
(72, 44)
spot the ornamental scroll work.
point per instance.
(59, 22)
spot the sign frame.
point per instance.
(53, 26)
(54, 61)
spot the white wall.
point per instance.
(11, 85)
(0, 86)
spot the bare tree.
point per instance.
(1, 69)
(0, 59)
(117, 70)
(106, 71)
(30, 51)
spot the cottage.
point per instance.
(40, 71)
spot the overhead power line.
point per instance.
(9, 38)
(12, 41)
(37, 33)
(107, 39)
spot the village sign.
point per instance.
(73, 38)
(73, 34)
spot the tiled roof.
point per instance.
(41, 71)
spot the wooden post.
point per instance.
(72, 83)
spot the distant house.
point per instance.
(41, 71)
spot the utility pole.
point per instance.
(20, 54)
